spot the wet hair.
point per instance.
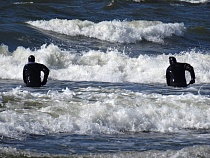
(31, 58)
(172, 60)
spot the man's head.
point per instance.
(31, 58)
(172, 60)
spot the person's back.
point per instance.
(32, 73)
(175, 73)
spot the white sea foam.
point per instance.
(23, 2)
(196, 151)
(100, 110)
(195, 1)
(188, 1)
(113, 31)
(108, 66)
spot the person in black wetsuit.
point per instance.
(32, 73)
(175, 73)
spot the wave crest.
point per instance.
(113, 31)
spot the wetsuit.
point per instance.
(175, 74)
(32, 74)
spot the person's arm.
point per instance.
(189, 68)
(24, 77)
(46, 73)
(168, 77)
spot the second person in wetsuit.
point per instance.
(175, 73)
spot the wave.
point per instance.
(100, 110)
(105, 66)
(113, 31)
(195, 1)
(23, 2)
(187, 1)
(196, 151)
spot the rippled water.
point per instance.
(106, 94)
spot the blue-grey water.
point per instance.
(106, 95)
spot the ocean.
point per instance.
(106, 94)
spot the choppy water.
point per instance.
(106, 93)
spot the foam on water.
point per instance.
(100, 111)
(19, 3)
(188, 152)
(188, 1)
(49, 119)
(113, 31)
(195, 1)
(108, 66)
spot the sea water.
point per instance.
(106, 94)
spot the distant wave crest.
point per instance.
(113, 31)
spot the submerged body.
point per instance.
(175, 73)
(32, 73)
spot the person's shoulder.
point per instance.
(169, 67)
(33, 64)
(43, 65)
(186, 64)
(179, 63)
(37, 64)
